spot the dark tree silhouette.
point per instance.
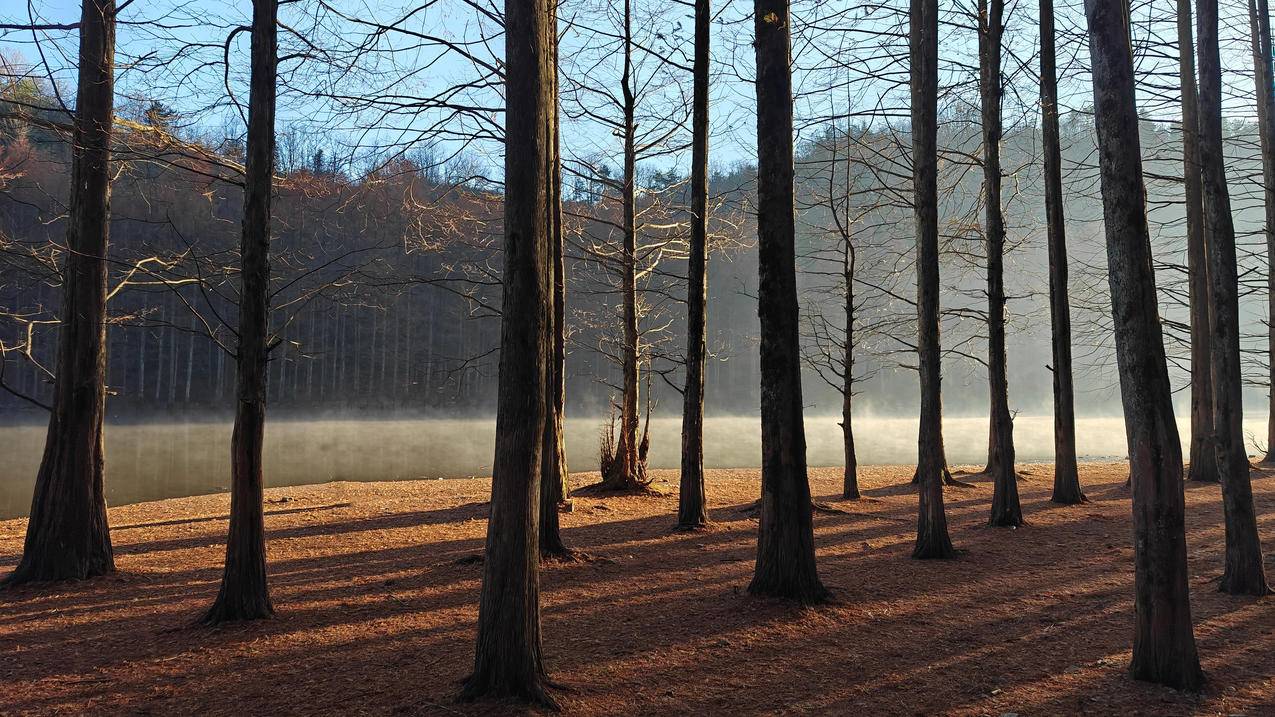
(785, 535)
(1066, 474)
(1263, 76)
(932, 540)
(244, 594)
(1203, 466)
(553, 463)
(1000, 459)
(67, 534)
(692, 510)
(507, 655)
(1243, 574)
(1163, 644)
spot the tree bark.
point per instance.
(244, 594)
(627, 471)
(1264, 75)
(507, 655)
(553, 474)
(692, 510)
(1006, 511)
(67, 535)
(1164, 645)
(850, 478)
(785, 536)
(1243, 574)
(1066, 473)
(932, 539)
(1203, 466)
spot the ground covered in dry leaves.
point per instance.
(377, 603)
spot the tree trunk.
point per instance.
(1163, 645)
(627, 471)
(244, 594)
(1264, 75)
(692, 510)
(67, 534)
(1203, 465)
(507, 656)
(932, 540)
(1243, 574)
(785, 536)
(850, 480)
(553, 464)
(1066, 474)
(1006, 511)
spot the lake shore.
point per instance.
(376, 590)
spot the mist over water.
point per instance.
(152, 461)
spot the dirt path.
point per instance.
(376, 614)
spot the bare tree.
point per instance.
(932, 539)
(1163, 644)
(507, 655)
(1243, 574)
(1263, 76)
(244, 594)
(692, 509)
(67, 535)
(785, 534)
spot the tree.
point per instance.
(1163, 644)
(553, 465)
(1203, 465)
(932, 540)
(785, 535)
(1000, 460)
(692, 510)
(1263, 76)
(1066, 474)
(1243, 574)
(67, 534)
(507, 655)
(244, 594)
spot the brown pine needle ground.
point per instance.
(376, 615)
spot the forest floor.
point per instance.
(377, 604)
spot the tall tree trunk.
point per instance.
(1243, 574)
(67, 534)
(507, 655)
(244, 594)
(932, 540)
(1264, 75)
(1203, 465)
(1066, 474)
(692, 509)
(850, 478)
(627, 470)
(785, 536)
(1163, 644)
(1005, 506)
(553, 464)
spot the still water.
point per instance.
(151, 461)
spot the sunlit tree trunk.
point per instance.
(1066, 473)
(932, 539)
(785, 537)
(507, 655)
(244, 594)
(692, 510)
(1243, 573)
(1163, 644)
(67, 534)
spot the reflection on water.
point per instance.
(150, 461)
